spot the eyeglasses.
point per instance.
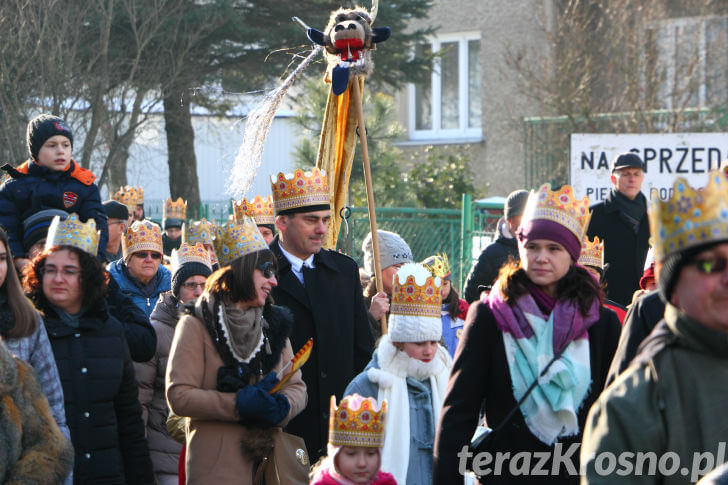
(268, 269)
(52, 271)
(710, 265)
(191, 285)
(145, 254)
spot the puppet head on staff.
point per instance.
(348, 40)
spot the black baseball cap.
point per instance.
(628, 159)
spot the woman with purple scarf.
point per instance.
(533, 356)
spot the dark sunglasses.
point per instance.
(268, 269)
(710, 265)
(144, 254)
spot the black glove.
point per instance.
(233, 377)
(256, 406)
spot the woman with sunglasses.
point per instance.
(68, 285)
(139, 273)
(229, 351)
(190, 269)
(533, 355)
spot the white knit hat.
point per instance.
(392, 250)
(415, 312)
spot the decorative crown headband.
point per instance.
(237, 238)
(690, 217)
(438, 265)
(357, 421)
(592, 253)
(190, 254)
(73, 232)
(142, 236)
(175, 209)
(299, 189)
(416, 292)
(559, 206)
(200, 231)
(261, 210)
(129, 196)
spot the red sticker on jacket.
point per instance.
(69, 199)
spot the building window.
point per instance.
(449, 105)
(691, 61)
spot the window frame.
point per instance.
(464, 132)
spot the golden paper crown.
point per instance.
(416, 292)
(129, 196)
(300, 189)
(690, 217)
(261, 210)
(189, 254)
(200, 231)
(142, 236)
(236, 239)
(357, 421)
(175, 209)
(73, 232)
(559, 206)
(592, 253)
(438, 265)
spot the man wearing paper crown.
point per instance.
(68, 285)
(322, 289)
(190, 269)
(682, 367)
(139, 273)
(544, 318)
(129, 196)
(410, 370)
(230, 348)
(356, 437)
(592, 258)
(261, 211)
(173, 217)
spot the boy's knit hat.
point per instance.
(392, 250)
(43, 127)
(36, 226)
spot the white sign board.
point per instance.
(666, 155)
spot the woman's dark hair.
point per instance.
(26, 317)
(94, 278)
(235, 283)
(453, 299)
(577, 284)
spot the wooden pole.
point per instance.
(357, 101)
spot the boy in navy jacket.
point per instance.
(50, 179)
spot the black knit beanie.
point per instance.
(43, 127)
(185, 271)
(673, 264)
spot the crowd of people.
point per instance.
(590, 345)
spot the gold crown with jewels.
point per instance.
(142, 236)
(592, 253)
(559, 206)
(300, 189)
(416, 292)
(438, 265)
(237, 238)
(189, 254)
(73, 232)
(260, 209)
(357, 421)
(200, 231)
(129, 196)
(175, 209)
(690, 217)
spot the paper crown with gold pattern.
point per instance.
(142, 236)
(237, 238)
(592, 253)
(300, 190)
(559, 206)
(357, 421)
(690, 217)
(438, 265)
(175, 209)
(73, 232)
(129, 196)
(200, 231)
(414, 314)
(189, 254)
(259, 209)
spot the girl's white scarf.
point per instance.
(394, 368)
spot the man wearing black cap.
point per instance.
(621, 222)
(497, 254)
(118, 215)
